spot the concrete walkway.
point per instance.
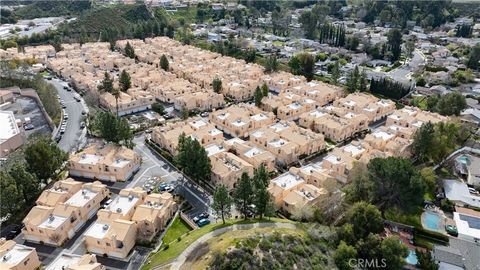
(180, 260)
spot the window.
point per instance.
(108, 244)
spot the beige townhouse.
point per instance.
(239, 120)
(153, 215)
(251, 153)
(107, 162)
(60, 214)
(291, 192)
(68, 261)
(227, 168)
(361, 103)
(196, 128)
(17, 257)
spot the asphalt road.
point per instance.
(74, 109)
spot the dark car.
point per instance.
(82, 125)
(203, 215)
(14, 231)
(58, 137)
(168, 116)
(203, 222)
(29, 127)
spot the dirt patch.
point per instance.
(203, 249)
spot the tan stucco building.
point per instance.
(17, 257)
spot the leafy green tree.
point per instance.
(158, 108)
(12, 197)
(243, 195)
(164, 62)
(394, 252)
(396, 182)
(125, 81)
(129, 51)
(250, 54)
(343, 256)
(430, 179)
(352, 80)
(258, 97)
(360, 187)
(423, 141)
(222, 202)
(217, 85)
(451, 104)
(107, 83)
(410, 46)
(265, 90)
(295, 65)
(271, 63)
(113, 129)
(425, 260)
(365, 219)
(474, 57)
(369, 248)
(43, 158)
(26, 183)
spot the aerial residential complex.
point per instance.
(104, 162)
(114, 205)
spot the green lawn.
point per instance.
(412, 218)
(177, 229)
(175, 248)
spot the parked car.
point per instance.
(14, 231)
(65, 116)
(84, 112)
(65, 87)
(204, 114)
(203, 222)
(168, 116)
(107, 203)
(82, 125)
(204, 215)
(29, 127)
(58, 137)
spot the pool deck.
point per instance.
(405, 237)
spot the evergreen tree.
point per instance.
(263, 198)
(129, 51)
(164, 62)
(265, 90)
(258, 97)
(474, 57)
(107, 83)
(222, 202)
(422, 141)
(125, 81)
(243, 194)
(271, 64)
(394, 40)
(113, 129)
(336, 72)
(363, 81)
(217, 85)
(44, 158)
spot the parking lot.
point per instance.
(25, 107)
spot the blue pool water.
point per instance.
(412, 257)
(463, 159)
(432, 221)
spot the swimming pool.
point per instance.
(463, 159)
(412, 257)
(432, 221)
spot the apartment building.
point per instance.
(251, 153)
(292, 111)
(227, 168)
(104, 162)
(239, 120)
(321, 92)
(361, 103)
(60, 192)
(114, 234)
(37, 53)
(135, 100)
(11, 137)
(334, 127)
(287, 141)
(408, 119)
(55, 224)
(199, 101)
(197, 128)
(153, 215)
(17, 257)
(280, 81)
(67, 261)
(291, 192)
(111, 238)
